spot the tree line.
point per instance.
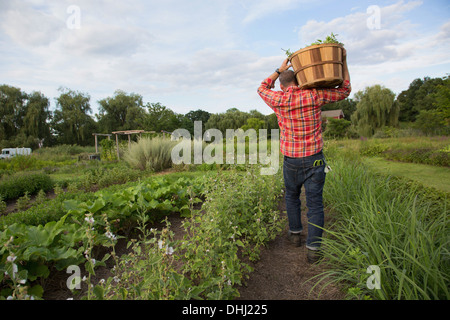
(27, 121)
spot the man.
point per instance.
(300, 120)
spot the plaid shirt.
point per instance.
(299, 115)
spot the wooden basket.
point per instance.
(319, 66)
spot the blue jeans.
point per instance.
(310, 173)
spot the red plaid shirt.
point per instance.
(300, 116)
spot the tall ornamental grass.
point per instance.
(152, 154)
(388, 222)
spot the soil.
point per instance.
(282, 273)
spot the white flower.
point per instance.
(11, 258)
(110, 235)
(89, 220)
(160, 244)
(169, 250)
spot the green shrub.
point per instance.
(17, 185)
(150, 154)
(372, 148)
(428, 156)
(337, 128)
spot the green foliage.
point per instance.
(432, 122)
(108, 152)
(3, 205)
(331, 39)
(337, 128)
(430, 151)
(419, 155)
(372, 148)
(121, 112)
(34, 249)
(23, 201)
(376, 108)
(18, 184)
(71, 120)
(395, 224)
(24, 118)
(422, 94)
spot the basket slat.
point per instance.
(319, 66)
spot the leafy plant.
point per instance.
(16, 185)
(331, 39)
(288, 52)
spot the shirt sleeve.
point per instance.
(270, 97)
(330, 95)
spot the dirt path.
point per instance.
(283, 272)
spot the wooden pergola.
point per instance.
(96, 139)
(128, 133)
(117, 133)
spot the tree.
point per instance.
(376, 107)
(121, 112)
(198, 115)
(431, 122)
(272, 122)
(254, 123)
(442, 99)
(71, 122)
(231, 119)
(12, 111)
(421, 95)
(160, 118)
(37, 117)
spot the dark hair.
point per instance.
(288, 77)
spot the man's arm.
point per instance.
(346, 74)
(334, 95)
(272, 97)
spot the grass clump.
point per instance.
(152, 154)
(386, 222)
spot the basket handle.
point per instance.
(318, 64)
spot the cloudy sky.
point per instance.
(211, 54)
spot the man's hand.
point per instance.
(285, 66)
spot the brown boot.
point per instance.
(295, 238)
(314, 256)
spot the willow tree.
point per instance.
(376, 107)
(72, 123)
